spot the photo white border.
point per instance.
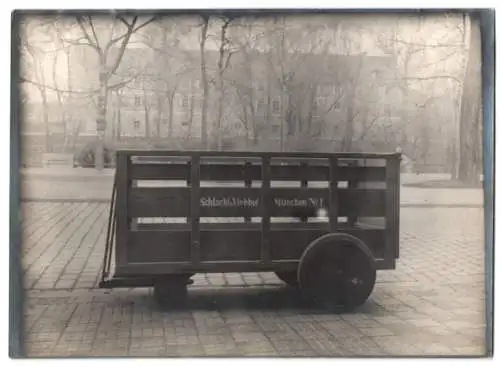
(147, 4)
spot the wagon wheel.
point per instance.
(171, 291)
(337, 271)
(290, 278)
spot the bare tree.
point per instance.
(204, 79)
(424, 61)
(226, 51)
(92, 34)
(469, 167)
(33, 55)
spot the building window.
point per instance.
(324, 90)
(261, 105)
(198, 104)
(185, 84)
(276, 106)
(137, 124)
(316, 107)
(137, 101)
(257, 85)
(185, 102)
(317, 129)
(337, 97)
(136, 83)
(275, 128)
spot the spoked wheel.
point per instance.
(337, 272)
(171, 291)
(290, 278)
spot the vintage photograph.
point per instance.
(245, 184)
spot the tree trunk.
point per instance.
(204, 134)
(147, 130)
(113, 124)
(469, 166)
(46, 120)
(349, 130)
(191, 112)
(220, 111)
(170, 126)
(312, 97)
(68, 99)
(60, 101)
(160, 115)
(102, 104)
(119, 117)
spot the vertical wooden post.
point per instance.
(303, 183)
(122, 215)
(333, 202)
(397, 168)
(195, 209)
(391, 210)
(352, 184)
(266, 210)
(247, 171)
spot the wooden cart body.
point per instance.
(196, 211)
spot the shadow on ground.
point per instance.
(256, 298)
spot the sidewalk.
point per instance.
(89, 185)
(75, 173)
(432, 304)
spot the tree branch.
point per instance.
(368, 128)
(86, 35)
(93, 32)
(131, 30)
(130, 27)
(435, 77)
(424, 45)
(22, 79)
(119, 85)
(122, 19)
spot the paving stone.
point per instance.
(432, 304)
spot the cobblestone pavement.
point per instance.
(432, 304)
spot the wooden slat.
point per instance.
(290, 244)
(246, 154)
(220, 245)
(362, 202)
(159, 202)
(230, 202)
(235, 172)
(241, 202)
(217, 245)
(322, 173)
(371, 223)
(159, 171)
(158, 246)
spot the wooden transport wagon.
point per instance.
(177, 213)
